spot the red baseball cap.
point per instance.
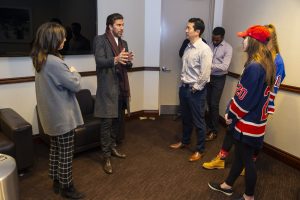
(258, 32)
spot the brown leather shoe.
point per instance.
(210, 136)
(117, 153)
(177, 145)
(107, 166)
(196, 156)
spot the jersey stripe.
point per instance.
(251, 129)
(237, 110)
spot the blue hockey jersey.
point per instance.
(248, 108)
(280, 75)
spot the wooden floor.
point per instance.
(153, 171)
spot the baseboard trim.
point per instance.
(142, 113)
(281, 155)
(133, 115)
(169, 109)
(276, 153)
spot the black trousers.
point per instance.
(214, 93)
(109, 128)
(243, 158)
(229, 141)
(120, 135)
(61, 157)
(112, 130)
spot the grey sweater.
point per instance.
(57, 105)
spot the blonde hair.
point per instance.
(48, 39)
(273, 44)
(258, 52)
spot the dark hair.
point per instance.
(48, 39)
(76, 27)
(219, 31)
(198, 24)
(110, 20)
(56, 20)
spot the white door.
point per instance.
(175, 14)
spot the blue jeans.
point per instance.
(193, 109)
(214, 93)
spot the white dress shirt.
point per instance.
(197, 61)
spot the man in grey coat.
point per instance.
(113, 93)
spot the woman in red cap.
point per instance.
(248, 110)
(219, 161)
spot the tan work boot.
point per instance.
(216, 163)
(243, 172)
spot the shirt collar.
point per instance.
(221, 44)
(196, 44)
(117, 40)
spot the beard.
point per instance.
(117, 34)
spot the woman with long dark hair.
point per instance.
(58, 109)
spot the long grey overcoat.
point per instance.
(107, 95)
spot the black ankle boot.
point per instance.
(56, 186)
(71, 193)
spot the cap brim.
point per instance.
(241, 34)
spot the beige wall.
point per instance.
(283, 128)
(21, 97)
(134, 19)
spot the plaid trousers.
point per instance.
(61, 157)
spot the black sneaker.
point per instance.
(217, 187)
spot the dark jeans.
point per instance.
(214, 93)
(193, 109)
(243, 158)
